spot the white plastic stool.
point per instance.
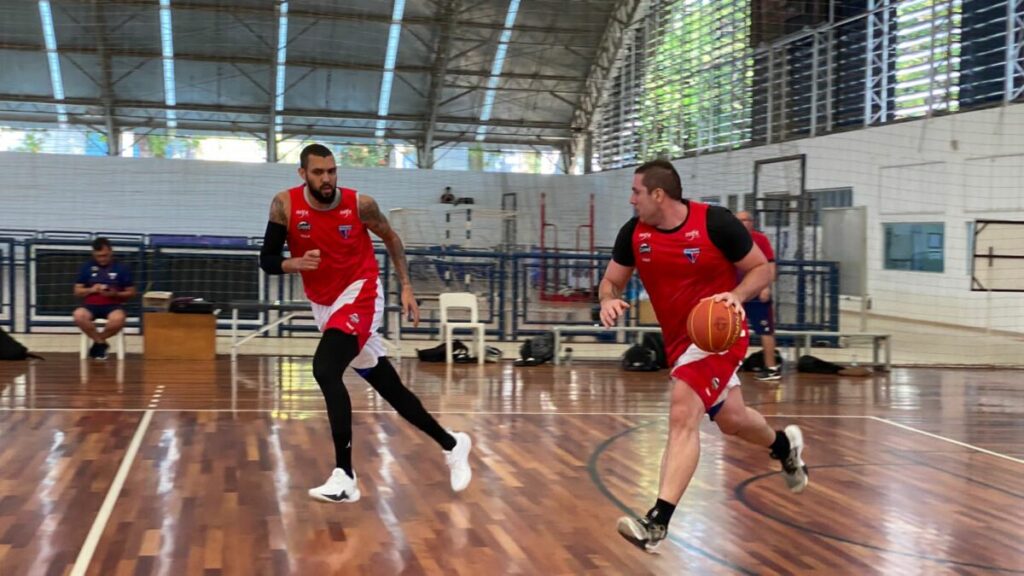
(84, 342)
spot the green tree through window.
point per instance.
(697, 77)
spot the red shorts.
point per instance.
(359, 311)
(711, 375)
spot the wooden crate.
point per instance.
(170, 336)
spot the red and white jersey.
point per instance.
(762, 241)
(679, 267)
(346, 250)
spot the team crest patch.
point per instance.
(345, 230)
(691, 254)
(715, 383)
(645, 248)
(304, 226)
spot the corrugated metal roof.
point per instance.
(225, 59)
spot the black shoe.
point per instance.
(642, 533)
(769, 375)
(793, 468)
(99, 351)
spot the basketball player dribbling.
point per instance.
(685, 251)
(327, 230)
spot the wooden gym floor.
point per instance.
(201, 468)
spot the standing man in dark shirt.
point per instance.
(103, 284)
(685, 251)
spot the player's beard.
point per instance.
(319, 194)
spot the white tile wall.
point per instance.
(952, 169)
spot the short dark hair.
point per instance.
(316, 150)
(101, 243)
(661, 174)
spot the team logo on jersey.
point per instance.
(346, 213)
(345, 230)
(353, 318)
(302, 213)
(692, 235)
(645, 235)
(645, 248)
(715, 383)
(304, 226)
(112, 275)
(691, 254)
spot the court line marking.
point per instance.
(945, 439)
(598, 481)
(534, 413)
(440, 412)
(740, 492)
(103, 516)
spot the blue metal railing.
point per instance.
(7, 282)
(521, 293)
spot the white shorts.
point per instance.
(359, 311)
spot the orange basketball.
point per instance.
(713, 326)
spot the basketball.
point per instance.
(713, 326)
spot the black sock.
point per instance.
(661, 513)
(780, 448)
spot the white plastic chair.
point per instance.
(461, 300)
(84, 342)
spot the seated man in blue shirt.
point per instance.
(104, 285)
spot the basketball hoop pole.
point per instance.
(590, 245)
(589, 227)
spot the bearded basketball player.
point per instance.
(328, 234)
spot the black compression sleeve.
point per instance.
(272, 252)
(728, 234)
(623, 251)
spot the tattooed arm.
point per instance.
(279, 208)
(376, 222)
(272, 259)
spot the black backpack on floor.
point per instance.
(813, 365)
(537, 350)
(436, 354)
(11, 349)
(640, 358)
(654, 341)
(755, 362)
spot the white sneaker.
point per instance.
(642, 533)
(338, 488)
(458, 461)
(794, 471)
